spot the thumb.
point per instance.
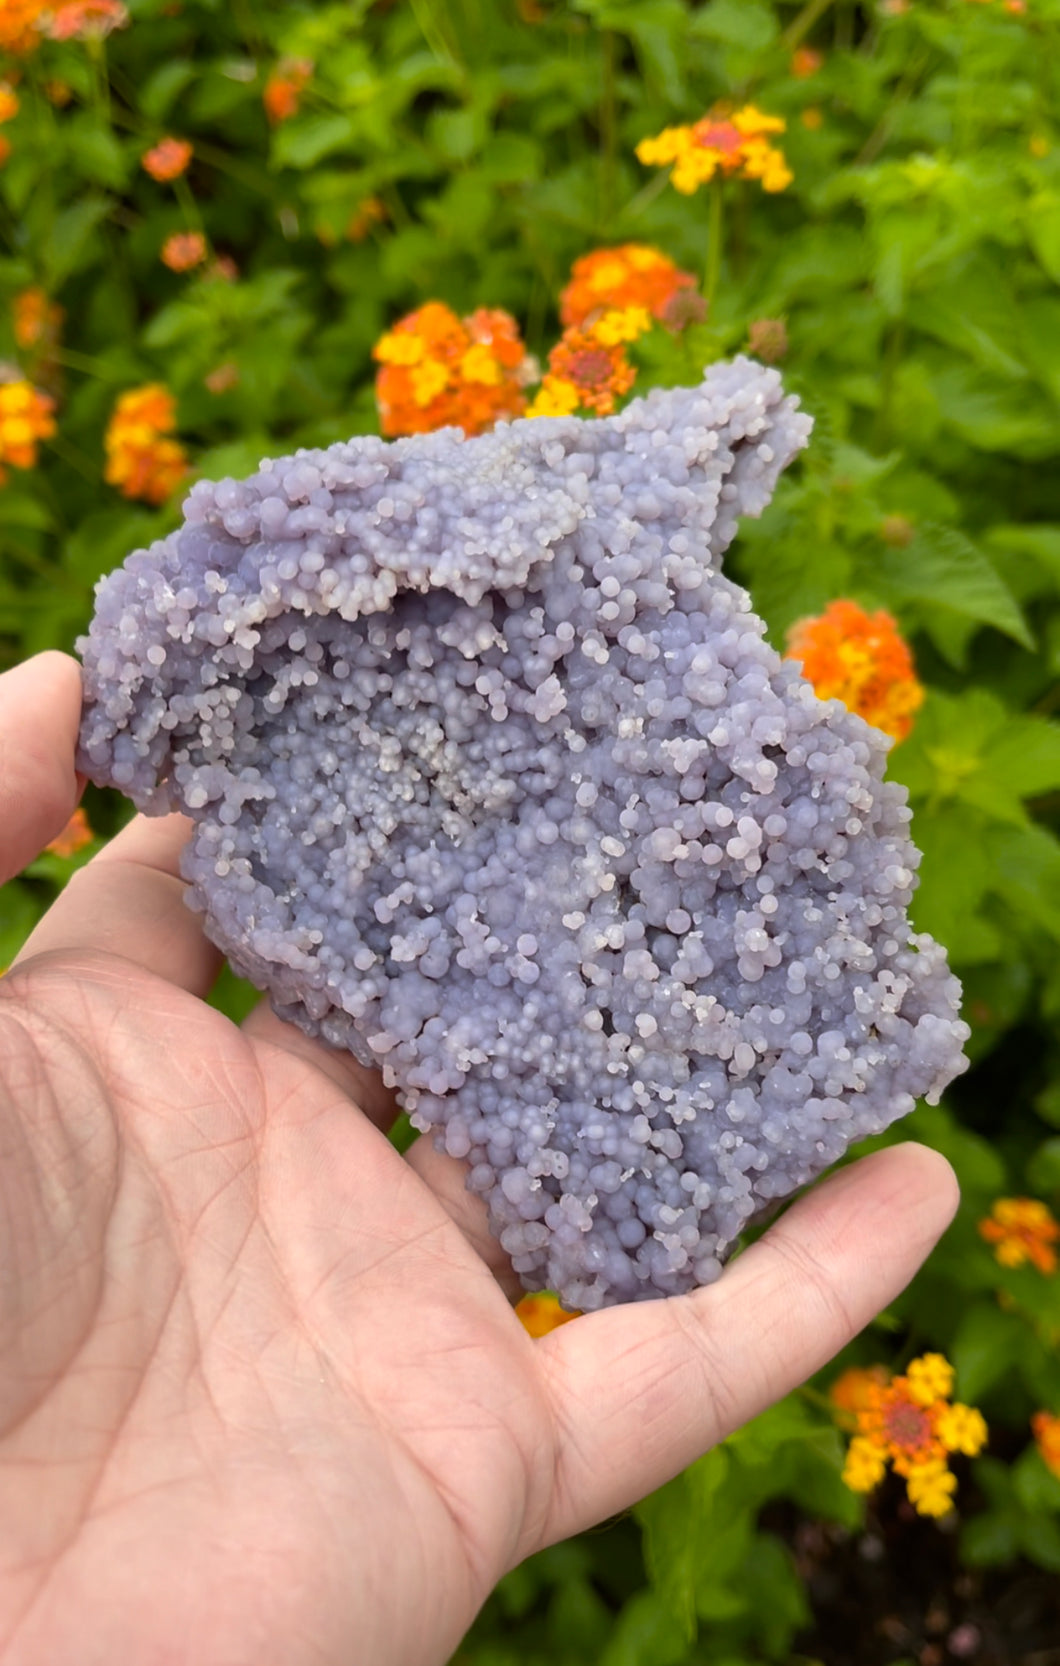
(40, 709)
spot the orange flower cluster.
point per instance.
(438, 369)
(910, 1423)
(25, 417)
(368, 213)
(74, 837)
(1046, 1431)
(541, 1313)
(20, 25)
(1022, 1229)
(141, 461)
(850, 1392)
(720, 144)
(767, 339)
(283, 90)
(859, 658)
(588, 369)
(168, 159)
(37, 321)
(184, 250)
(86, 19)
(806, 61)
(632, 275)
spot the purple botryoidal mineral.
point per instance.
(497, 783)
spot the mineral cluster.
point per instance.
(497, 783)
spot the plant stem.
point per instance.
(714, 233)
(800, 26)
(607, 128)
(646, 195)
(902, 94)
(186, 199)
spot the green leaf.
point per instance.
(1039, 1538)
(66, 245)
(95, 154)
(1027, 866)
(987, 1345)
(1043, 231)
(991, 1539)
(976, 314)
(1043, 1169)
(993, 416)
(162, 88)
(747, 23)
(1042, 543)
(646, 1633)
(306, 141)
(941, 565)
(1034, 1484)
(18, 916)
(690, 1533)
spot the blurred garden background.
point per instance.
(230, 229)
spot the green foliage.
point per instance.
(915, 261)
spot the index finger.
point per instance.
(40, 709)
(129, 901)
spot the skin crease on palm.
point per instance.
(263, 1398)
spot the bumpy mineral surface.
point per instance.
(496, 782)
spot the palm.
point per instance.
(262, 1395)
(288, 1317)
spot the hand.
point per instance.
(263, 1398)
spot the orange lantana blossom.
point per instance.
(859, 658)
(74, 837)
(910, 1423)
(806, 61)
(37, 321)
(1045, 1427)
(85, 19)
(370, 211)
(720, 144)
(851, 1392)
(141, 460)
(20, 25)
(631, 275)
(168, 159)
(184, 250)
(283, 90)
(438, 370)
(588, 369)
(541, 1313)
(1022, 1229)
(25, 417)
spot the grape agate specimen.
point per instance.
(496, 782)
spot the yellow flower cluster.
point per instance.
(910, 1423)
(630, 275)
(720, 144)
(1022, 1229)
(141, 460)
(438, 370)
(25, 417)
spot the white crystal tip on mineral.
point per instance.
(497, 783)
